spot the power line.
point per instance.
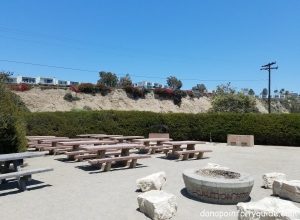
(86, 45)
(137, 76)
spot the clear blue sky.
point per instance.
(199, 41)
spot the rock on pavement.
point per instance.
(152, 182)
(268, 209)
(287, 189)
(269, 178)
(158, 205)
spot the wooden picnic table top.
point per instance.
(127, 137)
(49, 141)
(19, 156)
(183, 142)
(39, 138)
(151, 139)
(73, 143)
(87, 135)
(106, 135)
(113, 146)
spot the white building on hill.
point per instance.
(40, 81)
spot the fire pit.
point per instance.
(218, 186)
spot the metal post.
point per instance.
(269, 68)
(269, 98)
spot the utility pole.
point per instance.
(269, 67)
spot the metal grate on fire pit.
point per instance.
(222, 174)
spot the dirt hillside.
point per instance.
(53, 100)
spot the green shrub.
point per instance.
(238, 103)
(175, 95)
(70, 98)
(103, 89)
(88, 88)
(12, 127)
(135, 92)
(274, 129)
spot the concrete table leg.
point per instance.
(190, 147)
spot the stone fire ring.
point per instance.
(218, 190)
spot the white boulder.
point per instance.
(287, 189)
(157, 205)
(268, 209)
(269, 178)
(152, 182)
(215, 166)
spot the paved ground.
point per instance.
(74, 192)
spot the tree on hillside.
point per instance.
(202, 88)
(282, 91)
(125, 81)
(174, 83)
(108, 79)
(224, 89)
(251, 92)
(287, 92)
(4, 75)
(226, 99)
(264, 92)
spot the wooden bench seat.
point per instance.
(191, 153)
(158, 148)
(108, 161)
(41, 147)
(55, 150)
(23, 176)
(81, 157)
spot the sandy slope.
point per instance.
(52, 100)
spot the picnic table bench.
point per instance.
(17, 159)
(176, 149)
(108, 161)
(123, 158)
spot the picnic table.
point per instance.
(40, 140)
(75, 144)
(126, 138)
(176, 149)
(122, 159)
(53, 147)
(54, 142)
(17, 159)
(146, 141)
(102, 149)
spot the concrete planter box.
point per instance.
(218, 190)
(240, 140)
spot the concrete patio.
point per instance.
(75, 191)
